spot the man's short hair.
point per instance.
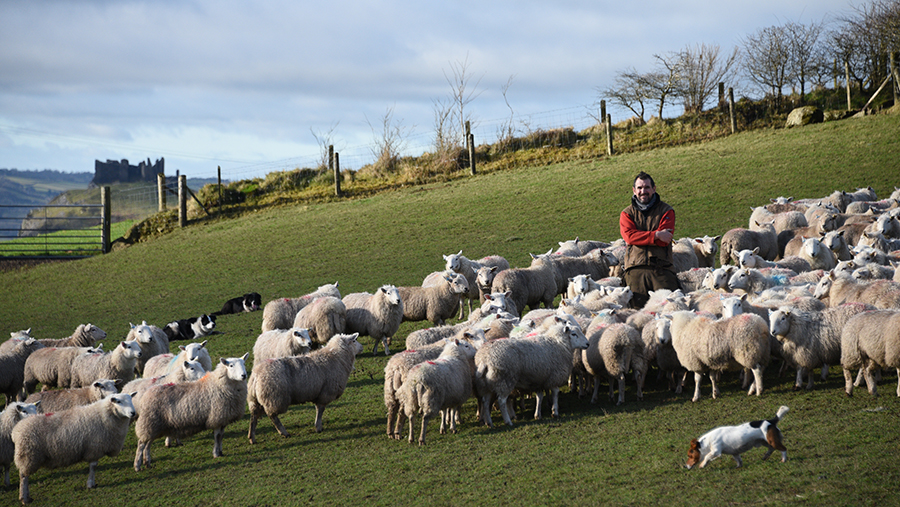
(643, 176)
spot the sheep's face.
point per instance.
(392, 294)
(834, 241)
(739, 280)
(121, 405)
(235, 367)
(732, 306)
(192, 350)
(779, 323)
(497, 302)
(453, 262)
(845, 268)
(708, 245)
(193, 370)
(95, 332)
(351, 341)
(132, 349)
(576, 337)
(458, 284)
(663, 330)
(142, 333)
(301, 338)
(485, 276)
(746, 259)
(105, 387)
(812, 247)
(824, 286)
(23, 410)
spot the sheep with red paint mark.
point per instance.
(280, 313)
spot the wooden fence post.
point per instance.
(220, 186)
(104, 219)
(336, 165)
(609, 136)
(161, 190)
(602, 111)
(470, 141)
(731, 109)
(847, 76)
(896, 73)
(721, 96)
(182, 200)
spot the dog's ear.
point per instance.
(695, 445)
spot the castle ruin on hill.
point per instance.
(113, 171)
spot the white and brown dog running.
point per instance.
(735, 440)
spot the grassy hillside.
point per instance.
(598, 454)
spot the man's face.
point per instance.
(643, 190)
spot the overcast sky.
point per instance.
(245, 85)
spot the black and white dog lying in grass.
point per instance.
(189, 329)
(735, 440)
(249, 302)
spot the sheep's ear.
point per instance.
(37, 403)
(181, 347)
(203, 345)
(756, 251)
(132, 325)
(117, 382)
(184, 363)
(245, 356)
(223, 361)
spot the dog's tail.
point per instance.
(781, 412)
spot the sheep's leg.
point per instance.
(679, 386)
(810, 378)
(848, 382)
(251, 433)
(391, 420)
(24, 496)
(898, 394)
(596, 390)
(6, 476)
(799, 382)
(486, 410)
(757, 386)
(454, 418)
(639, 380)
(91, 483)
(697, 378)
(824, 374)
(398, 430)
(870, 381)
(621, 389)
(612, 388)
(554, 393)
(412, 426)
(714, 378)
(746, 378)
(278, 426)
(218, 436)
(504, 409)
(444, 414)
(320, 409)
(539, 399)
(142, 456)
(386, 341)
(859, 377)
(425, 418)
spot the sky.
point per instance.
(253, 87)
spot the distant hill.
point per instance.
(38, 187)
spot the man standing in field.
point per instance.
(647, 226)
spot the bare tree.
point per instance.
(506, 131)
(865, 39)
(446, 137)
(389, 142)
(767, 59)
(664, 80)
(703, 67)
(461, 93)
(630, 90)
(804, 42)
(324, 139)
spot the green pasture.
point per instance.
(842, 450)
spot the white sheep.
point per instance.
(280, 313)
(152, 340)
(116, 364)
(534, 363)
(85, 433)
(85, 335)
(844, 289)
(693, 279)
(14, 338)
(577, 247)
(657, 334)
(837, 243)
(871, 340)
(707, 345)
(377, 315)
(180, 410)
(469, 269)
(55, 400)
(755, 281)
(281, 343)
(398, 366)
(51, 366)
(812, 339)
(611, 347)
(12, 367)
(9, 417)
(484, 279)
(319, 377)
(818, 255)
(738, 239)
(437, 387)
(595, 263)
(581, 284)
(781, 220)
(751, 259)
(529, 286)
(323, 318)
(684, 256)
(166, 364)
(437, 302)
(706, 249)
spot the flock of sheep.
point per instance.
(811, 283)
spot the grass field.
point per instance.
(842, 450)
